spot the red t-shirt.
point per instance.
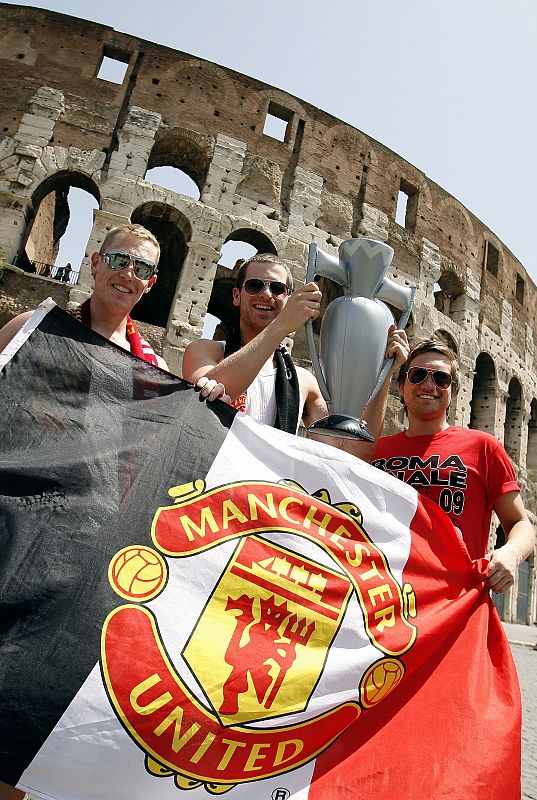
(464, 471)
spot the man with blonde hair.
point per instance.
(124, 269)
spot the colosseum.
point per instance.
(319, 179)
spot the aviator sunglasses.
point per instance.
(441, 379)
(118, 260)
(256, 285)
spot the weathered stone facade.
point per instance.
(63, 126)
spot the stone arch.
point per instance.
(221, 300)
(531, 453)
(457, 226)
(143, 192)
(49, 209)
(345, 144)
(513, 419)
(344, 154)
(173, 231)
(257, 238)
(449, 296)
(453, 209)
(184, 151)
(197, 79)
(483, 403)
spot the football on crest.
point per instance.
(379, 680)
(137, 573)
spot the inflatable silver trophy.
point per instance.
(354, 330)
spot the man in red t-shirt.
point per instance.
(467, 472)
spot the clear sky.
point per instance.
(448, 86)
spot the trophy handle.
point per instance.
(310, 274)
(399, 296)
(312, 262)
(411, 292)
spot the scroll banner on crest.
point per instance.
(193, 604)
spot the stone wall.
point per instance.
(324, 181)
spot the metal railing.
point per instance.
(62, 274)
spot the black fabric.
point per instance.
(92, 439)
(287, 387)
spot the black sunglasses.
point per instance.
(256, 285)
(441, 379)
(118, 260)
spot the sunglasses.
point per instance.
(441, 379)
(118, 260)
(256, 285)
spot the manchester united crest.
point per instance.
(235, 702)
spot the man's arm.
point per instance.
(9, 793)
(520, 542)
(11, 328)
(397, 348)
(238, 371)
(315, 407)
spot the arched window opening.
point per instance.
(57, 234)
(513, 420)
(73, 242)
(449, 297)
(531, 455)
(173, 232)
(482, 407)
(175, 179)
(186, 164)
(238, 247)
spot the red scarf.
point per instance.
(139, 347)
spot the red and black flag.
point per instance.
(191, 601)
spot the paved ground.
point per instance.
(523, 639)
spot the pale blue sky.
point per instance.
(448, 86)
